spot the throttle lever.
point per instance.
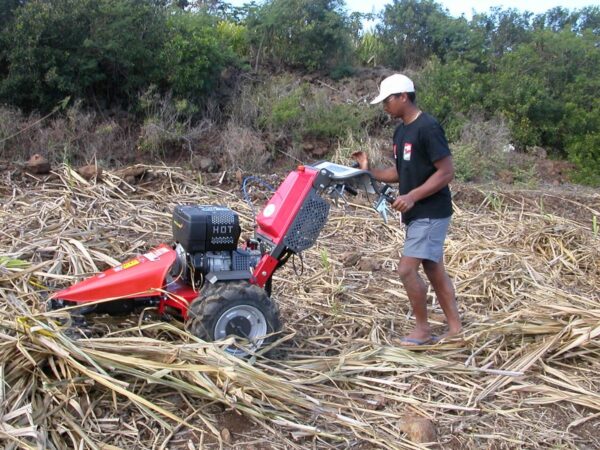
(385, 197)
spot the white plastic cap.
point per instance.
(394, 84)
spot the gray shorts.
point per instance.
(425, 238)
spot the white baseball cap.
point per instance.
(394, 84)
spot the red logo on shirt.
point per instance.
(407, 151)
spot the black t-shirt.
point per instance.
(416, 147)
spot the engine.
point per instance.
(207, 238)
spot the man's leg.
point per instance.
(417, 294)
(444, 290)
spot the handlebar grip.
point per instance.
(351, 190)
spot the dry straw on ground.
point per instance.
(524, 374)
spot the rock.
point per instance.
(319, 152)
(131, 175)
(369, 265)
(350, 259)
(90, 171)
(226, 435)
(419, 429)
(207, 165)
(38, 165)
(204, 164)
(308, 147)
(135, 172)
(539, 152)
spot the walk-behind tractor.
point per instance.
(217, 288)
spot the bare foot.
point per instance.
(419, 336)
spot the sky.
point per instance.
(458, 7)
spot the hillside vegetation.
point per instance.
(123, 80)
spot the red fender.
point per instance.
(142, 276)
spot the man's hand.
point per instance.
(403, 203)
(362, 159)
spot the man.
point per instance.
(423, 168)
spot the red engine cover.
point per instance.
(138, 277)
(281, 210)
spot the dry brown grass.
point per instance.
(75, 136)
(523, 374)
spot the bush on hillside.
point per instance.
(195, 53)
(584, 151)
(301, 34)
(103, 51)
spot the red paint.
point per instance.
(142, 276)
(179, 296)
(264, 269)
(281, 210)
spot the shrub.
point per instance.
(584, 151)
(102, 51)
(195, 54)
(77, 136)
(449, 91)
(234, 36)
(304, 34)
(370, 50)
(323, 119)
(484, 153)
(243, 148)
(168, 128)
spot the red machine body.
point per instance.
(276, 217)
(218, 288)
(147, 276)
(140, 277)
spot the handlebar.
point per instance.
(350, 179)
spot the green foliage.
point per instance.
(411, 31)
(465, 159)
(304, 34)
(449, 91)
(539, 103)
(340, 71)
(333, 121)
(584, 151)
(234, 36)
(108, 51)
(302, 113)
(370, 50)
(103, 50)
(194, 55)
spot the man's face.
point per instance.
(394, 104)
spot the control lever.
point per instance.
(385, 197)
(338, 192)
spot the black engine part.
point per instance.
(202, 228)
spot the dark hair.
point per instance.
(412, 96)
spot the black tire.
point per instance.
(221, 310)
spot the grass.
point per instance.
(522, 375)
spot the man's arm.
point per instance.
(440, 178)
(387, 175)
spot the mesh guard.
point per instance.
(307, 225)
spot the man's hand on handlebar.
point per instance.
(362, 159)
(403, 203)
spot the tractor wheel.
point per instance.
(235, 308)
